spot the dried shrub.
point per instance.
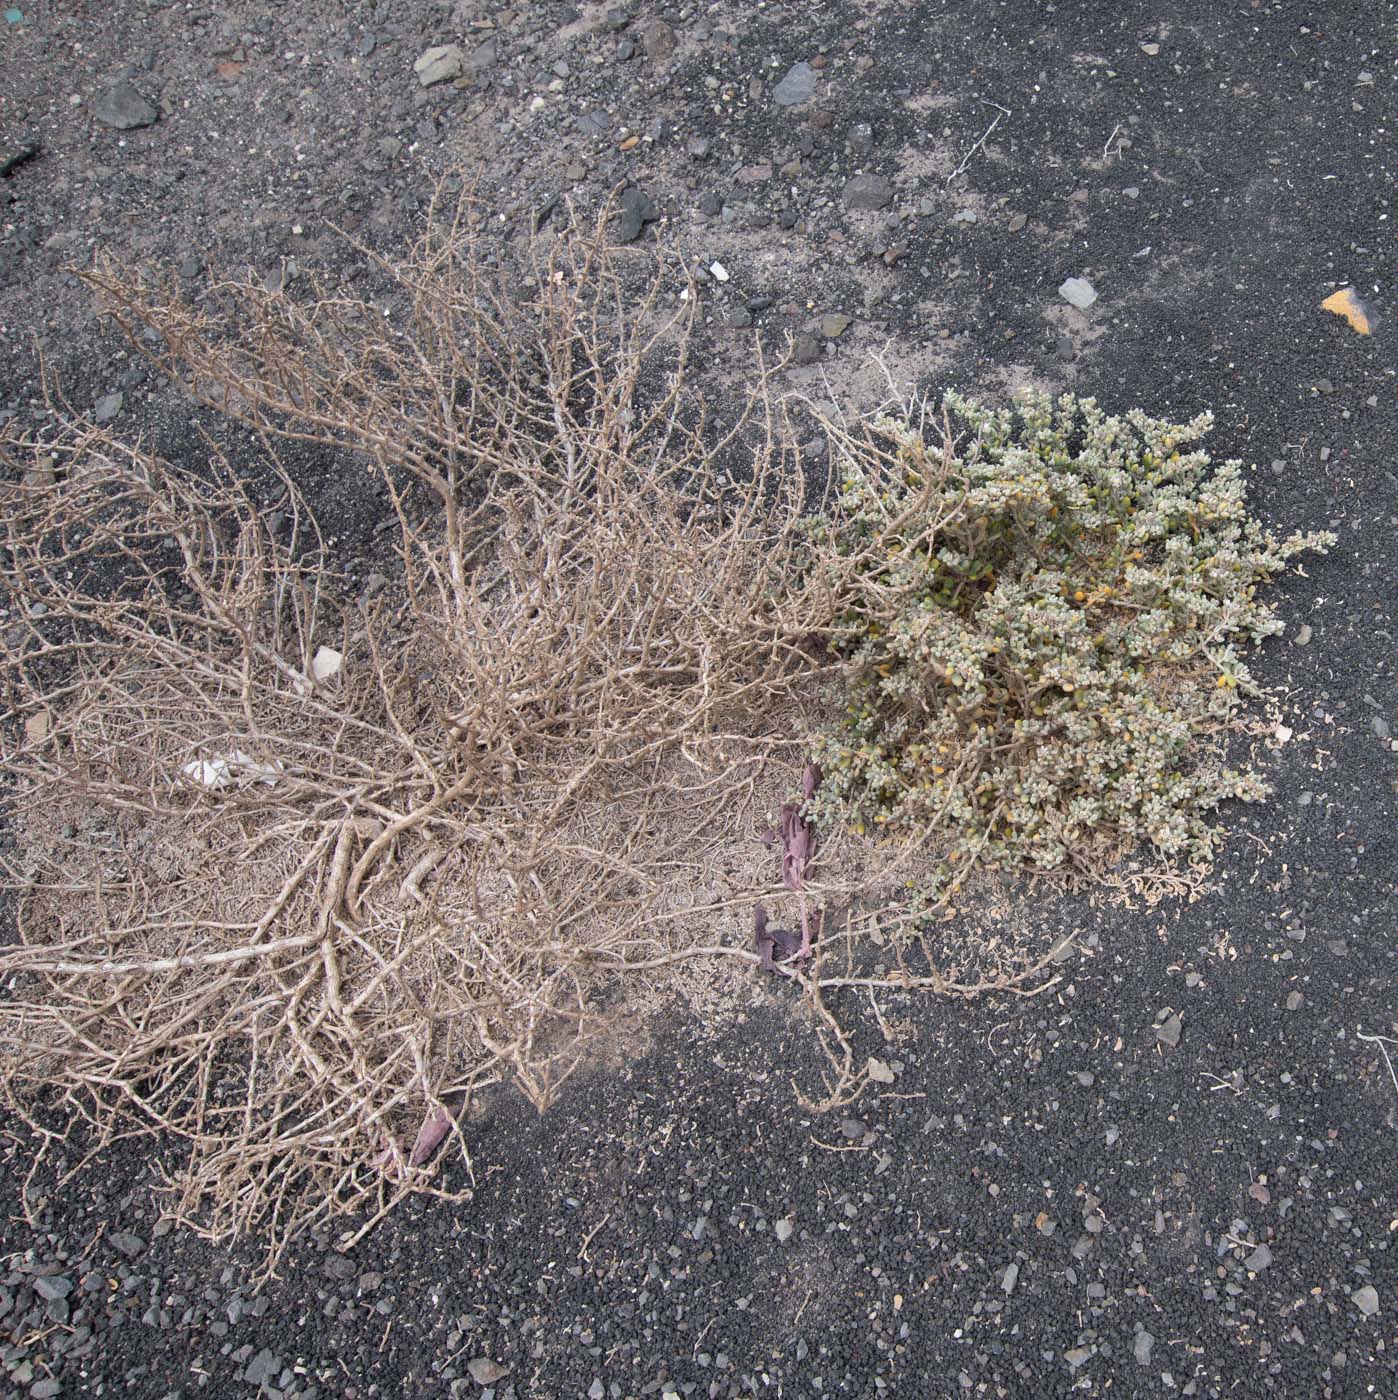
(301, 874)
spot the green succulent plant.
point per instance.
(1041, 627)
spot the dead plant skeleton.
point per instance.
(296, 915)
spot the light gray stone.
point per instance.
(796, 87)
(439, 65)
(1079, 292)
(123, 107)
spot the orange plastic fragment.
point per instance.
(1358, 313)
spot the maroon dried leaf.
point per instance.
(798, 846)
(429, 1136)
(435, 1127)
(781, 942)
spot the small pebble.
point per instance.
(1079, 292)
(1366, 1299)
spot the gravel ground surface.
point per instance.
(1172, 1174)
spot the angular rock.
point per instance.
(1169, 1030)
(123, 107)
(484, 1371)
(870, 192)
(127, 1244)
(1259, 1259)
(796, 87)
(1141, 1348)
(12, 157)
(484, 55)
(657, 40)
(634, 210)
(878, 1071)
(805, 350)
(833, 326)
(1366, 1299)
(263, 1367)
(1079, 292)
(783, 1229)
(439, 65)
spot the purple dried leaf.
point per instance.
(435, 1127)
(429, 1136)
(781, 942)
(798, 846)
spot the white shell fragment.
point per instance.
(325, 663)
(229, 770)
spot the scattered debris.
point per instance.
(773, 944)
(798, 845)
(1358, 312)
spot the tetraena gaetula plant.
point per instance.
(1042, 635)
